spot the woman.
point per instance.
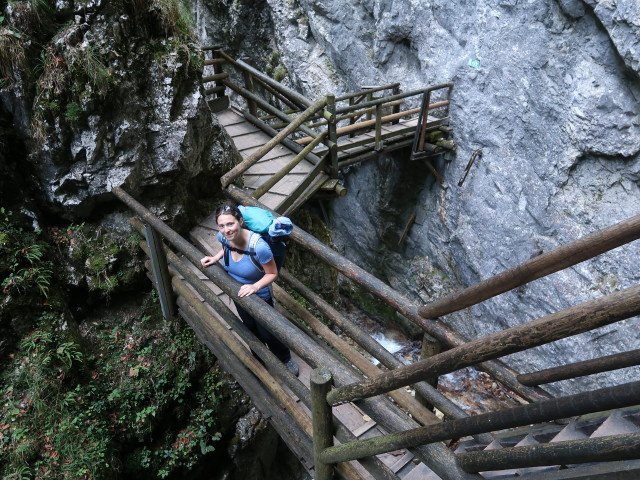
(236, 239)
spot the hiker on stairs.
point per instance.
(243, 243)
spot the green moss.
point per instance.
(73, 112)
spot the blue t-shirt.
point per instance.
(244, 271)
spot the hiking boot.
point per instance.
(292, 366)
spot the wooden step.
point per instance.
(615, 424)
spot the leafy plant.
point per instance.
(73, 112)
(25, 266)
(71, 413)
(175, 17)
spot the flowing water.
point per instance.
(472, 390)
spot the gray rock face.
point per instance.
(143, 125)
(552, 98)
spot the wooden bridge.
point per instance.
(292, 147)
(344, 415)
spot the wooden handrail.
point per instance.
(392, 298)
(580, 369)
(228, 177)
(390, 86)
(550, 262)
(398, 96)
(279, 175)
(607, 398)
(603, 449)
(372, 123)
(440, 459)
(571, 321)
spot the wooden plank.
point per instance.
(266, 168)
(401, 462)
(243, 128)
(250, 140)
(421, 472)
(229, 117)
(362, 429)
(276, 152)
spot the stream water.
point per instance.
(472, 390)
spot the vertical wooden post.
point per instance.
(321, 415)
(333, 137)
(396, 108)
(430, 347)
(248, 83)
(160, 272)
(217, 69)
(352, 120)
(424, 116)
(369, 98)
(379, 143)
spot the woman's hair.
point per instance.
(228, 209)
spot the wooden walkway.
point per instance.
(248, 138)
(401, 462)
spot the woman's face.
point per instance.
(229, 226)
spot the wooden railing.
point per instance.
(303, 125)
(590, 315)
(423, 437)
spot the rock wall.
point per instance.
(110, 96)
(548, 89)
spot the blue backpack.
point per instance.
(274, 231)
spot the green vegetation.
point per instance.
(24, 264)
(175, 17)
(106, 260)
(72, 113)
(274, 67)
(74, 411)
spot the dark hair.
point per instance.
(228, 209)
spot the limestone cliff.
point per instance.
(548, 89)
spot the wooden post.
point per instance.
(352, 119)
(162, 280)
(322, 420)
(396, 107)
(379, 144)
(217, 70)
(369, 98)
(430, 348)
(248, 83)
(424, 119)
(333, 138)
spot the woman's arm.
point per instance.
(206, 261)
(270, 276)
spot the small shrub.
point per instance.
(73, 112)
(25, 266)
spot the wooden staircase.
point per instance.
(593, 426)
(292, 147)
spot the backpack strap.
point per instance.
(253, 240)
(253, 256)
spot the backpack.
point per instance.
(262, 224)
